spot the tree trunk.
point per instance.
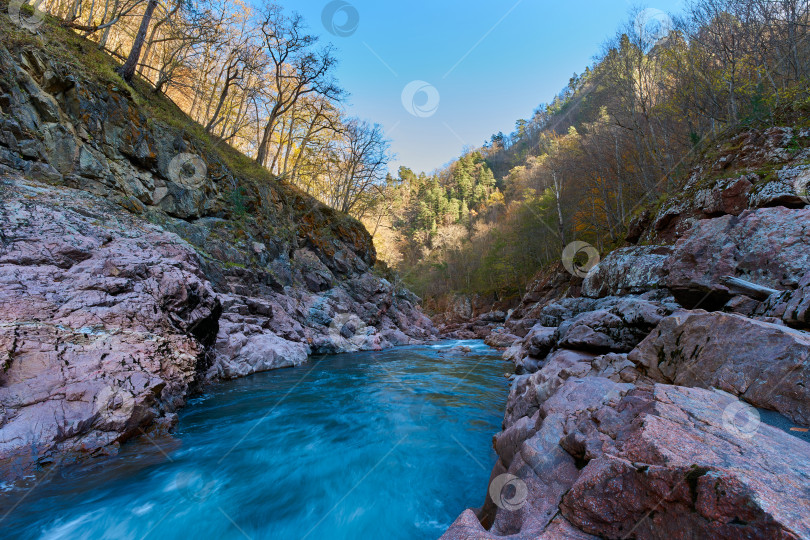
(264, 145)
(127, 71)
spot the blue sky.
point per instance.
(490, 62)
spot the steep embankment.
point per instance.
(631, 413)
(139, 259)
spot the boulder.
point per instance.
(631, 270)
(765, 364)
(493, 317)
(768, 247)
(501, 340)
(238, 355)
(792, 307)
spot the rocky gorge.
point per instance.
(140, 261)
(664, 395)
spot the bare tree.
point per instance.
(361, 159)
(295, 70)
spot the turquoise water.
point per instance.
(393, 444)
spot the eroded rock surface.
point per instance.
(104, 322)
(767, 247)
(763, 363)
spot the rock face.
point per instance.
(633, 414)
(755, 169)
(104, 322)
(763, 363)
(766, 246)
(138, 262)
(629, 270)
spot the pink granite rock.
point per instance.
(763, 363)
(103, 322)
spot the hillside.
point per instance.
(622, 137)
(141, 259)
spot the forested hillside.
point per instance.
(620, 137)
(253, 76)
(617, 140)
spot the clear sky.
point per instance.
(483, 64)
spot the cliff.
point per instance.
(140, 258)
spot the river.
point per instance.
(391, 444)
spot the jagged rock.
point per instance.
(727, 196)
(617, 368)
(780, 191)
(501, 340)
(767, 247)
(792, 307)
(638, 225)
(539, 341)
(238, 355)
(493, 317)
(553, 284)
(520, 327)
(468, 526)
(631, 270)
(103, 321)
(670, 463)
(763, 363)
(529, 391)
(742, 305)
(598, 326)
(618, 461)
